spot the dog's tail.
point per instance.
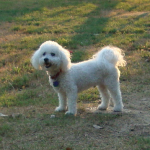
(113, 55)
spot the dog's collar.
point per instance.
(54, 77)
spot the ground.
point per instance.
(118, 130)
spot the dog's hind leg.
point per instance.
(114, 89)
(104, 97)
(62, 102)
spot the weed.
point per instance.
(21, 82)
(142, 142)
(5, 130)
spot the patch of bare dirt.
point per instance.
(128, 14)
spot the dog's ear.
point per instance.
(35, 60)
(65, 60)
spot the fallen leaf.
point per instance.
(2, 115)
(97, 127)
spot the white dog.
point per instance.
(68, 79)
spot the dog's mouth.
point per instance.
(47, 65)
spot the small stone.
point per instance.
(144, 99)
(52, 116)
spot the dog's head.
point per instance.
(51, 56)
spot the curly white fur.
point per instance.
(101, 71)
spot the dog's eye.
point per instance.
(44, 53)
(52, 54)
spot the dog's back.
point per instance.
(93, 72)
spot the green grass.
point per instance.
(82, 27)
(141, 142)
(5, 130)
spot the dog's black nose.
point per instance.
(46, 60)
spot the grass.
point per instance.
(83, 27)
(32, 128)
(142, 142)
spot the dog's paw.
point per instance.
(68, 113)
(58, 109)
(118, 108)
(102, 107)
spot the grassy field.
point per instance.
(82, 27)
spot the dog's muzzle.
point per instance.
(47, 63)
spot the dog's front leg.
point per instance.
(72, 103)
(62, 102)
